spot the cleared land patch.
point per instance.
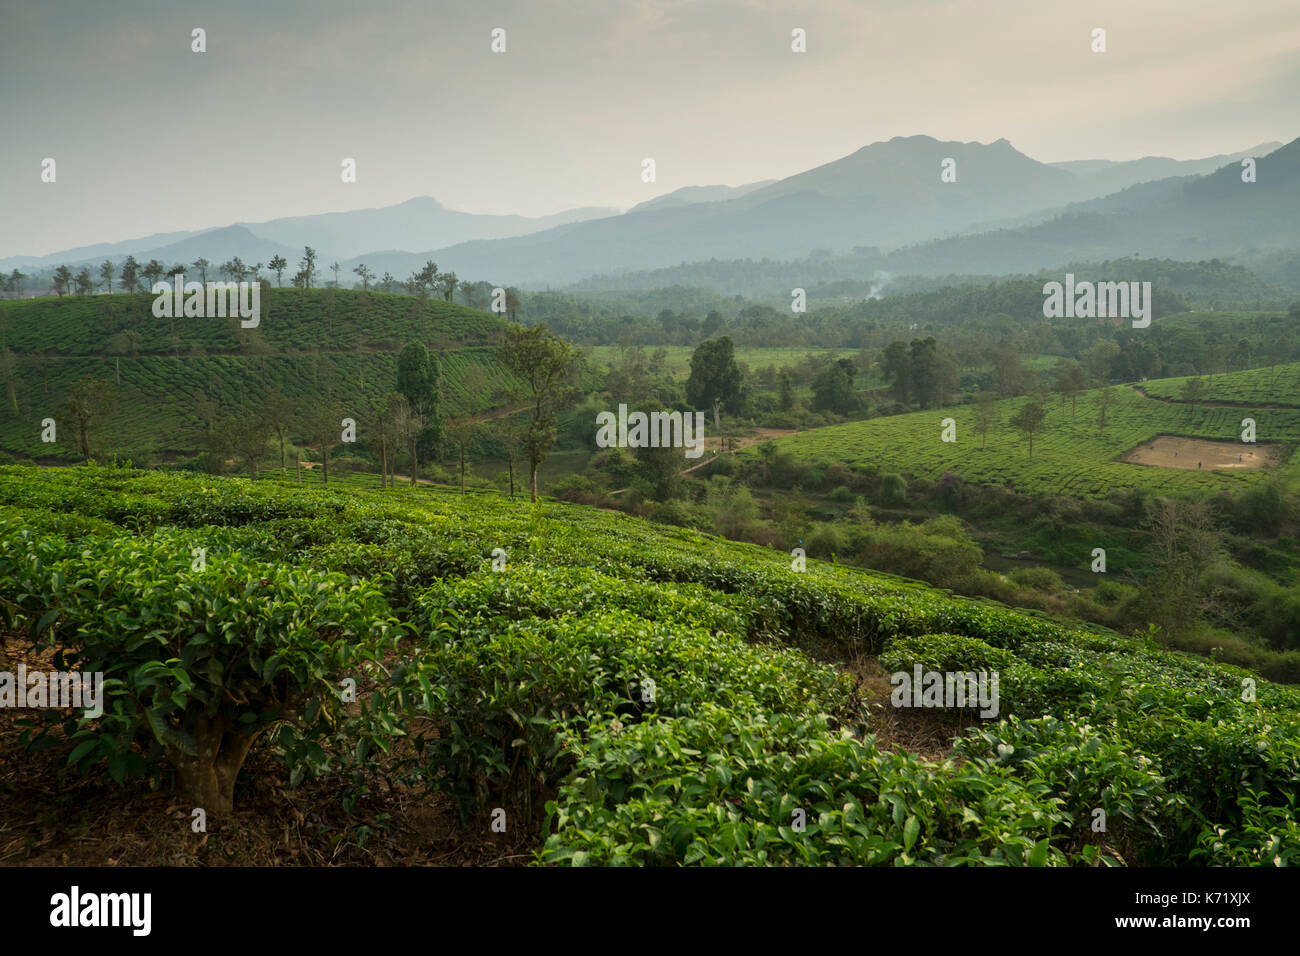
(1199, 454)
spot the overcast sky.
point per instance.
(150, 137)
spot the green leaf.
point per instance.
(83, 748)
(911, 830)
(1038, 856)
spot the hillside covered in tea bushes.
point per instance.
(626, 693)
(170, 376)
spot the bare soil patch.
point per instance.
(1199, 454)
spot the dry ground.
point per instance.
(1170, 451)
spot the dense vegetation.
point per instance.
(650, 686)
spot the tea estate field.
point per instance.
(620, 692)
(1072, 453)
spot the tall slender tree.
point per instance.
(547, 366)
(277, 265)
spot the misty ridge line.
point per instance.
(385, 241)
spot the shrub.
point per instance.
(1038, 579)
(198, 663)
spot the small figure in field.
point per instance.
(1198, 464)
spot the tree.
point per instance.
(406, 426)
(447, 285)
(335, 267)
(1009, 373)
(1099, 359)
(986, 415)
(833, 388)
(280, 414)
(387, 282)
(1029, 420)
(365, 274)
(1193, 389)
(1216, 359)
(61, 279)
(85, 282)
(787, 391)
(386, 421)
(277, 265)
(547, 366)
(323, 425)
(1105, 399)
(89, 402)
(248, 435)
(152, 272)
(462, 435)
(106, 275)
(419, 380)
(934, 376)
(130, 274)
(307, 266)
(467, 289)
(1186, 545)
(16, 283)
(715, 377)
(1070, 382)
(896, 364)
(427, 278)
(713, 324)
(202, 265)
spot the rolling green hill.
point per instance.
(1275, 385)
(315, 346)
(650, 682)
(1071, 454)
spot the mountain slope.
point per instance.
(1188, 218)
(889, 194)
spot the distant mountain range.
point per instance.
(417, 224)
(1002, 212)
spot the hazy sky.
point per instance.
(151, 137)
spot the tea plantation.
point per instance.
(316, 347)
(1072, 453)
(639, 695)
(1276, 385)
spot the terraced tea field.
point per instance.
(1071, 454)
(317, 347)
(1279, 385)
